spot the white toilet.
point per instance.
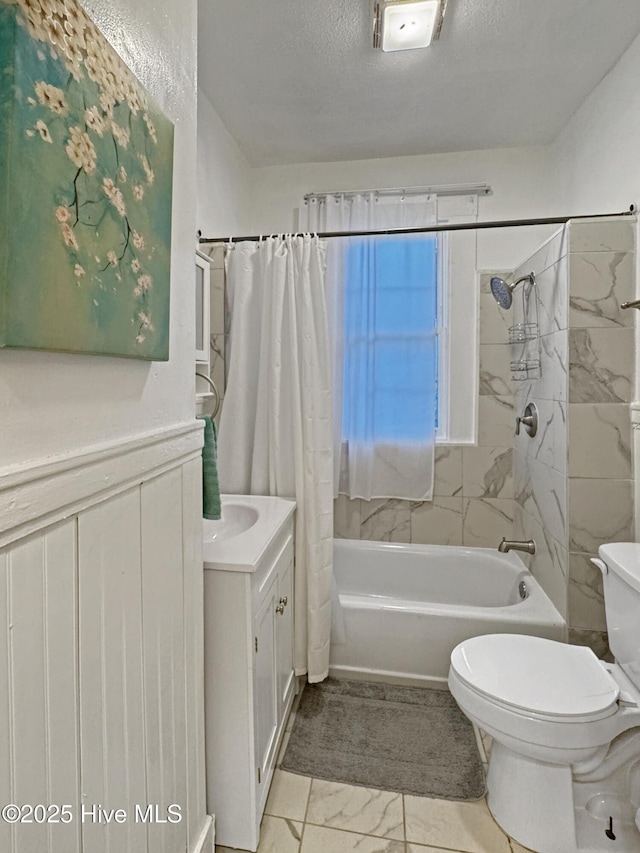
(564, 770)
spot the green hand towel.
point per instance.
(210, 487)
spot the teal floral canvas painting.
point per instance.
(86, 168)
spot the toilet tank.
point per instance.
(621, 583)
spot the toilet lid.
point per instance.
(536, 675)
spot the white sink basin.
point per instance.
(238, 541)
(236, 518)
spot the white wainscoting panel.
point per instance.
(194, 645)
(164, 654)
(101, 646)
(112, 698)
(43, 684)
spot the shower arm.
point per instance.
(530, 278)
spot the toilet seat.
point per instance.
(536, 677)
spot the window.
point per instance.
(394, 380)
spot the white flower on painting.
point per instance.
(68, 236)
(139, 339)
(30, 133)
(80, 150)
(63, 214)
(107, 102)
(133, 98)
(147, 169)
(144, 284)
(43, 130)
(114, 195)
(74, 24)
(135, 265)
(79, 271)
(112, 258)
(54, 30)
(138, 240)
(120, 134)
(73, 56)
(138, 192)
(150, 127)
(34, 22)
(94, 121)
(122, 174)
(52, 97)
(51, 7)
(145, 321)
(31, 101)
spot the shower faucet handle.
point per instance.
(530, 420)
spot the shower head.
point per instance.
(503, 292)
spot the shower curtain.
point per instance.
(275, 434)
(384, 344)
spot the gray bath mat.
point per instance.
(406, 739)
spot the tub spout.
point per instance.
(529, 547)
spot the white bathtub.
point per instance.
(403, 608)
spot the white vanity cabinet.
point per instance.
(249, 679)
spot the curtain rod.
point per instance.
(458, 226)
(435, 189)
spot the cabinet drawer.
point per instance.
(262, 579)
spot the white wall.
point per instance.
(521, 179)
(225, 181)
(51, 403)
(596, 157)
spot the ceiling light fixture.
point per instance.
(407, 24)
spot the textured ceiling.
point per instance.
(297, 80)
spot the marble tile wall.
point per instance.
(215, 253)
(601, 386)
(473, 485)
(540, 463)
(573, 483)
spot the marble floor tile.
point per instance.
(468, 827)
(363, 810)
(320, 839)
(420, 848)
(288, 796)
(279, 835)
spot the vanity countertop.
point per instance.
(249, 523)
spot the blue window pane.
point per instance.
(390, 367)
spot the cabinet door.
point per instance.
(265, 696)
(284, 637)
